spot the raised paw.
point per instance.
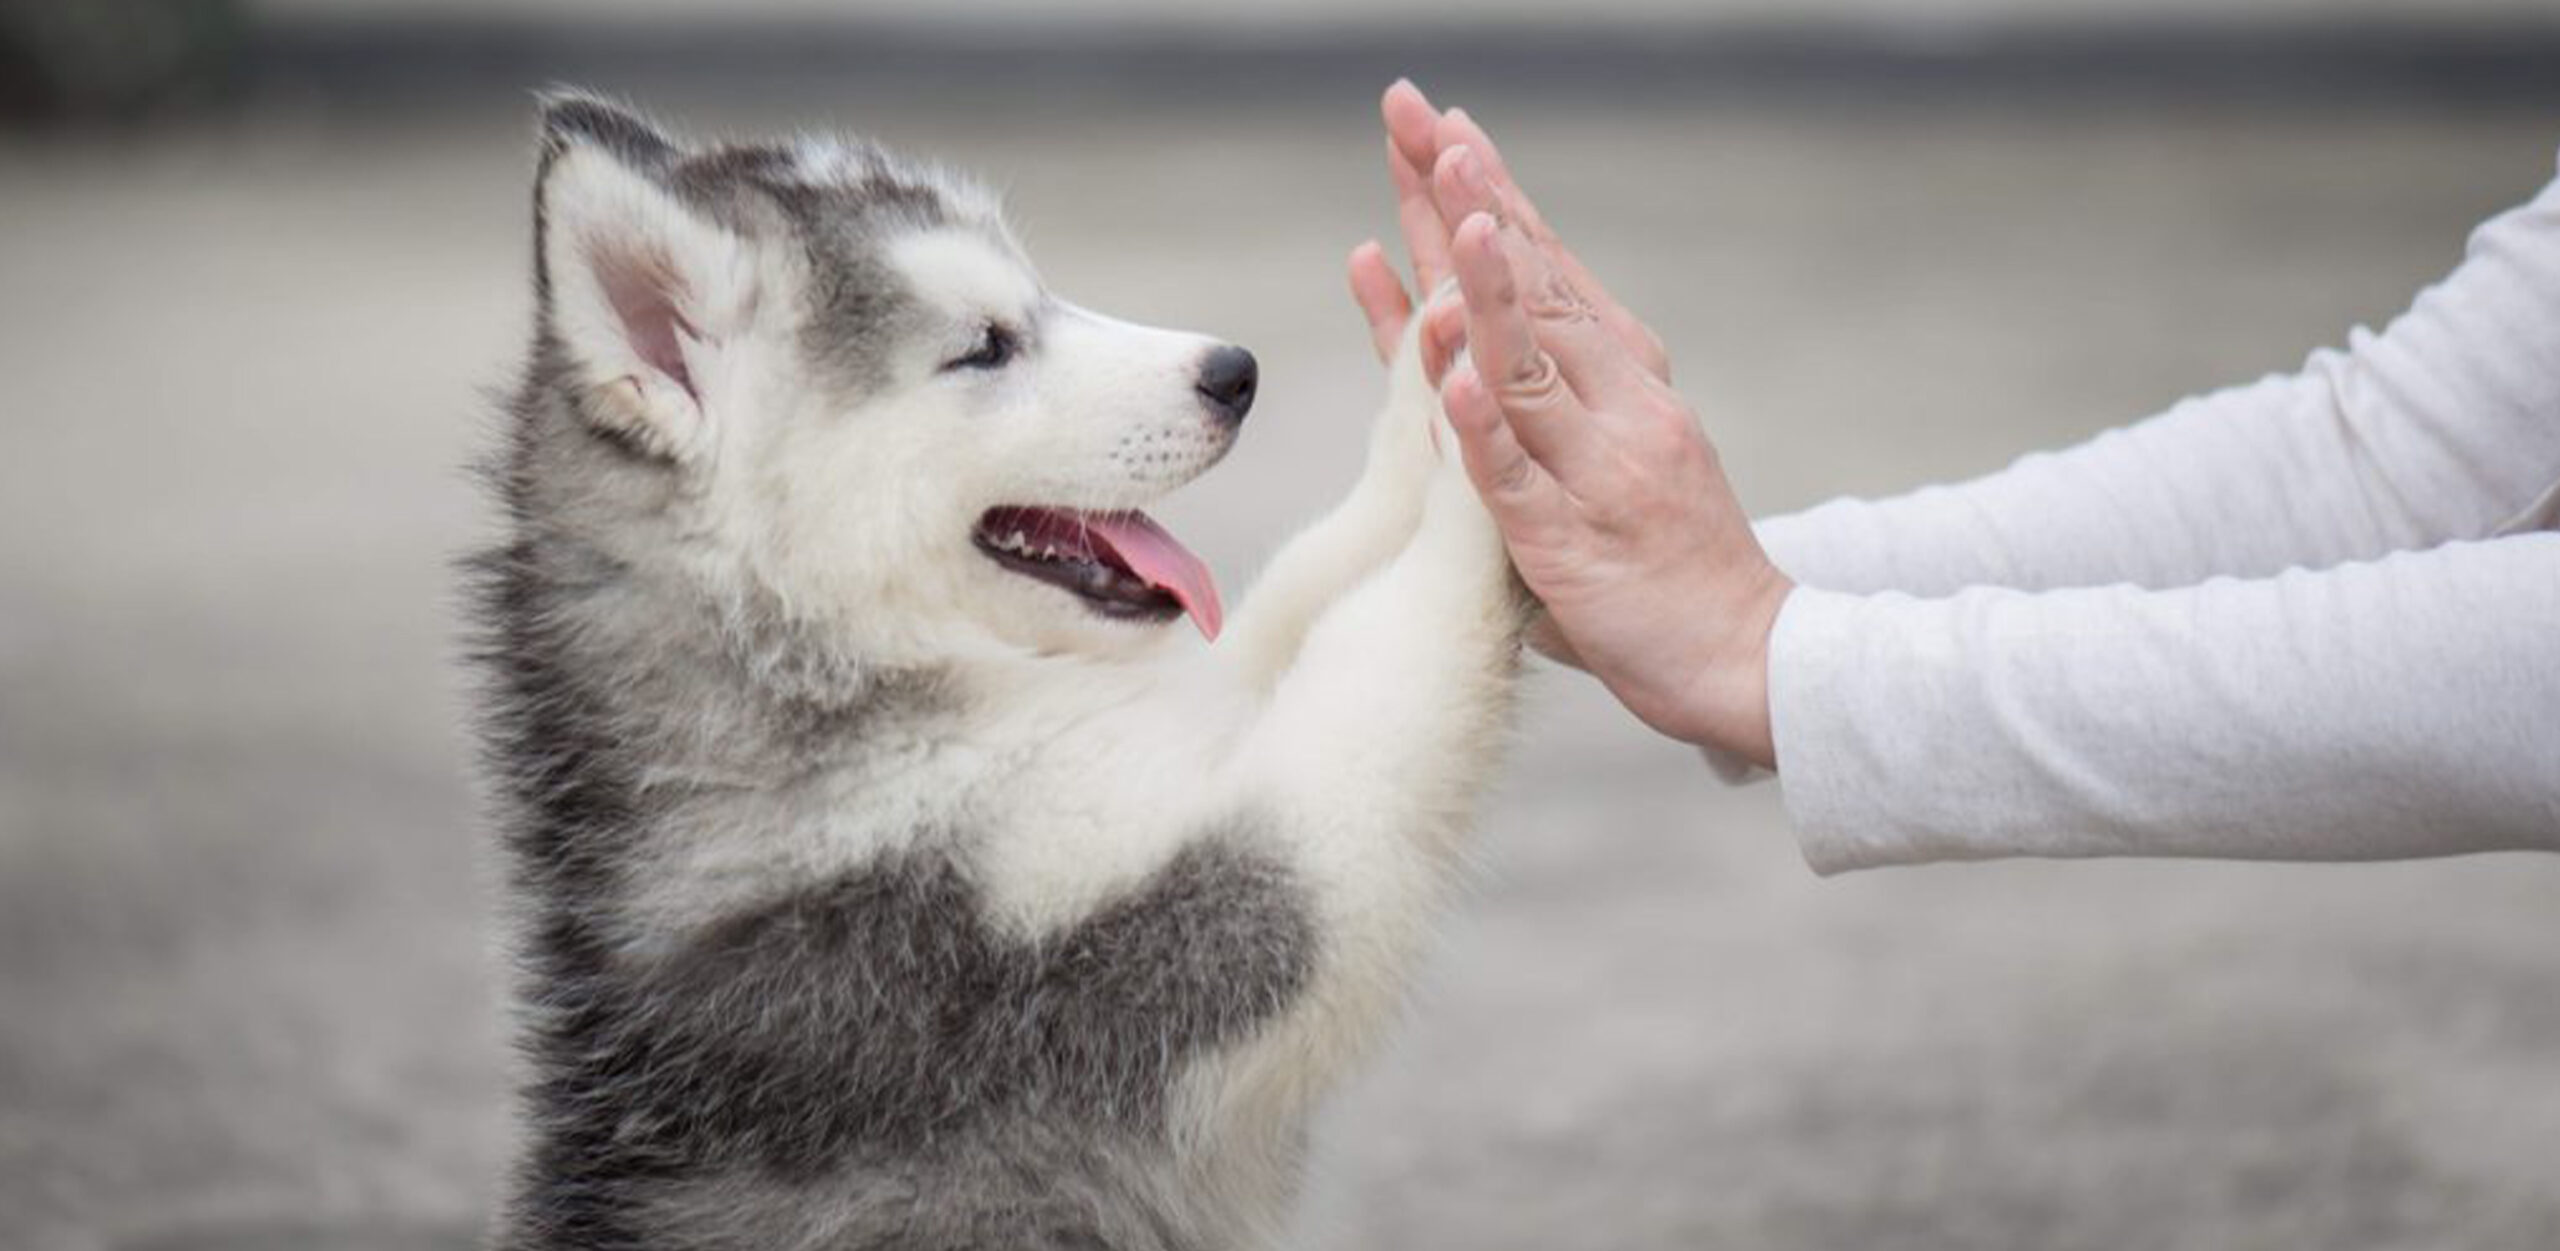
(1407, 441)
(1453, 507)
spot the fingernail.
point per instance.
(1470, 171)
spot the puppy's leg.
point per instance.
(1354, 540)
(1371, 757)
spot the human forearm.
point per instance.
(2243, 482)
(2395, 708)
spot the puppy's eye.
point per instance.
(996, 346)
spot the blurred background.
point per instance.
(260, 264)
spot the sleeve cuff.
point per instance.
(1818, 653)
(1808, 645)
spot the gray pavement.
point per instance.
(246, 995)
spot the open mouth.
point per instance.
(1121, 564)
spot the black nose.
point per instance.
(1226, 381)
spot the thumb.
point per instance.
(1380, 295)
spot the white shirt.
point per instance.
(2317, 617)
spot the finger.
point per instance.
(1426, 234)
(1456, 128)
(1460, 188)
(1594, 361)
(1411, 124)
(1444, 334)
(1525, 500)
(1544, 413)
(1381, 297)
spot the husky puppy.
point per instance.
(890, 867)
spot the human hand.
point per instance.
(1614, 505)
(1417, 134)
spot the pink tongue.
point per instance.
(1164, 562)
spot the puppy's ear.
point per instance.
(643, 290)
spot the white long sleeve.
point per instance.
(2408, 706)
(2093, 693)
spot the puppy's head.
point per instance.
(826, 381)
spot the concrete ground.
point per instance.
(246, 997)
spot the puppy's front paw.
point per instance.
(1406, 442)
(1452, 506)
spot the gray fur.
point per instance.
(873, 1046)
(864, 1062)
(857, 307)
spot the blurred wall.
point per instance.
(1336, 14)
